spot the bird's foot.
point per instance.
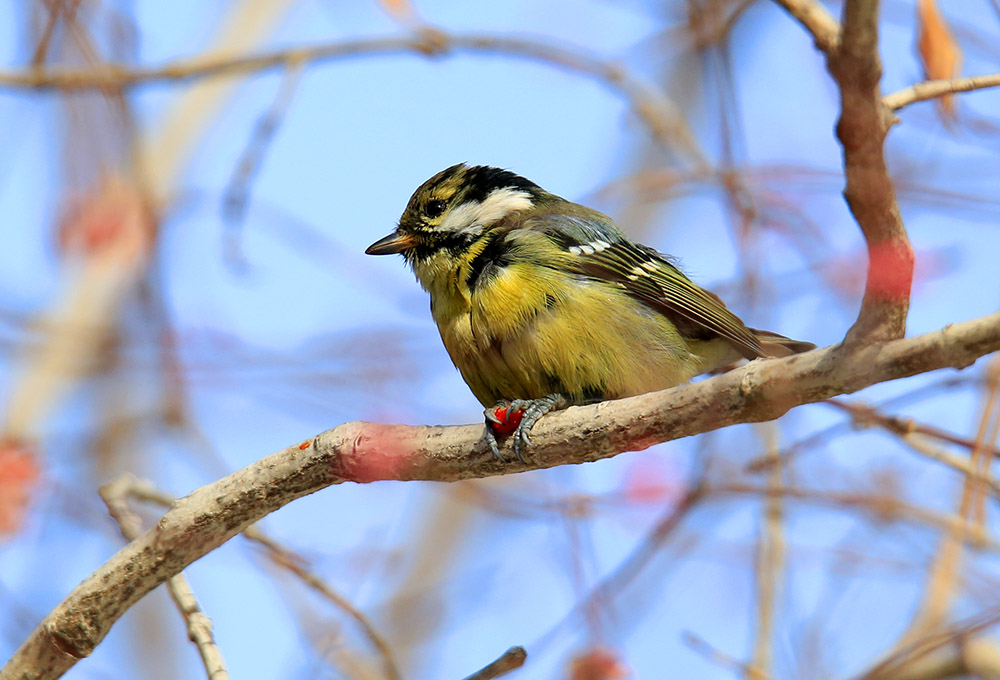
(517, 417)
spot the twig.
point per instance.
(364, 452)
(864, 415)
(51, 19)
(882, 507)
(511, 660)
(790, 452)
(237, 192)
(659, 114)
(931, 89)
(199, 626)
(896, 667)
(817, 20)
(614, 583)
(722, 659)
(915, 442)
(285, 558)
(769, 560)
(986, 441)
(942, 581)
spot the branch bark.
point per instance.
(366, 452)
(862, 128)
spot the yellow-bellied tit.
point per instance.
(543, 303)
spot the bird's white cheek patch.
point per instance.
(497, 205)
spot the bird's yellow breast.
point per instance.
(529, 330)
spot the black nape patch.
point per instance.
(482, 180)
(494, 256)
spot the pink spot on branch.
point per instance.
(112, 224)
(379, 452)
(18, 473)
(890, 271)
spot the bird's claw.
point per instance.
(516, 418)
(490, 413)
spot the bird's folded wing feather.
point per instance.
(604, 254)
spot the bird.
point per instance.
(543, 303)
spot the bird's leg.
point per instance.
(517, 417)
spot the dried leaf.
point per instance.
(400, 10)
(599, 663)
(939, 51)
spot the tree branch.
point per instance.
(199, 627)
(816, 19)
(659, 114)
(364, 452)
(509, 661)
(863, 124)
(931, 89)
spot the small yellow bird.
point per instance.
(543, 303)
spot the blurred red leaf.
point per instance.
(400, 10)
(650, 480)
(18, 473)
(599, 663)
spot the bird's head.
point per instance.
(454, 207)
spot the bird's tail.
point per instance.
(776, 346)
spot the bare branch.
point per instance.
(363, 452)
(722, 659)
(931, 89)
(286, 559)
(659, 114)
(944, 579)
(863, 124)
(511, 660)
(866, 416)
(817, 20)
(199, 626)
(770, 559)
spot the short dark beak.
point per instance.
(396, 242)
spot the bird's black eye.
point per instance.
(434, 208)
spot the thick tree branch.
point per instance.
(365, 452)
(864, 122)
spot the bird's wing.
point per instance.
(597, 249)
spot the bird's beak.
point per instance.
(396, 242)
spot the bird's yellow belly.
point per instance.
(588, 342)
